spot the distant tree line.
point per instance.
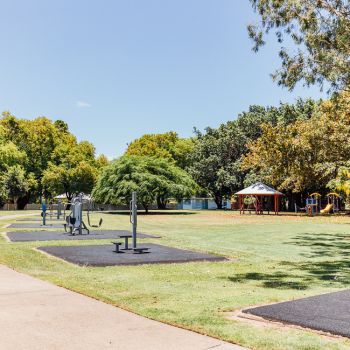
(297, 148)
(43, 158)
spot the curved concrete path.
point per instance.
(36, 315)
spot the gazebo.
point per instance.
(258, 191)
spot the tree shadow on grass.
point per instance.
(328, 257)
(276, 280)
(323, 245)
(326, 262)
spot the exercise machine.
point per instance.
(133, 221)
(89, 213)
(74, 221)
(43, 212)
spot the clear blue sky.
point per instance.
(116, 69)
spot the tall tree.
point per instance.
(320, 30)
(216, 159)
(15, 183)
(73, 169)
(154, 180)
(167, 145)
(304, 156)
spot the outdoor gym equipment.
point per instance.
(43, 212)
(74, 220)
(58, 206)
(133, 218)
(133, 221)
(90, 212)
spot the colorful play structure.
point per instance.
(313, 205)
(259, 197)
(333, 205)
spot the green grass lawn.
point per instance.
(271, 259)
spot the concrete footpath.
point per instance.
(38, 315)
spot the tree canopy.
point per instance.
(154, 180)
(51, 159)
(320, 31)
(216, 159)
(304, 156)
(167, 145)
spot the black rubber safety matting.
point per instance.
(30, 236)
(104, 255)
(328, 312)
(36, 225)
(36, 219)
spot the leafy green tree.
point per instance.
(216, 160)
(167, 145)
(14, 183)
(73, 169)
(154, 180)
(341, 183)
(320, 30)
(37, 139)
(304, 156)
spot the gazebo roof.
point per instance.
(260, 189)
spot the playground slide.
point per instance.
(327, 209)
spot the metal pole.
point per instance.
(59, 209)
(134, 219)
(43, 210)
(81, 214)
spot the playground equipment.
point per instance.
(327, 209)
(313, 204)
(74, 221)
(333, 204)
(133, 221)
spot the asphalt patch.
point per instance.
(30, 236)
(104, 255)
(328, 312)
(36, 225)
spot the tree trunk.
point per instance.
(218, 200)
(145, 206)
(23, 201)
(15, 202)
(161, 203)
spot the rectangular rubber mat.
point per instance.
(327, 312)
(29, 236)
(104, 255)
